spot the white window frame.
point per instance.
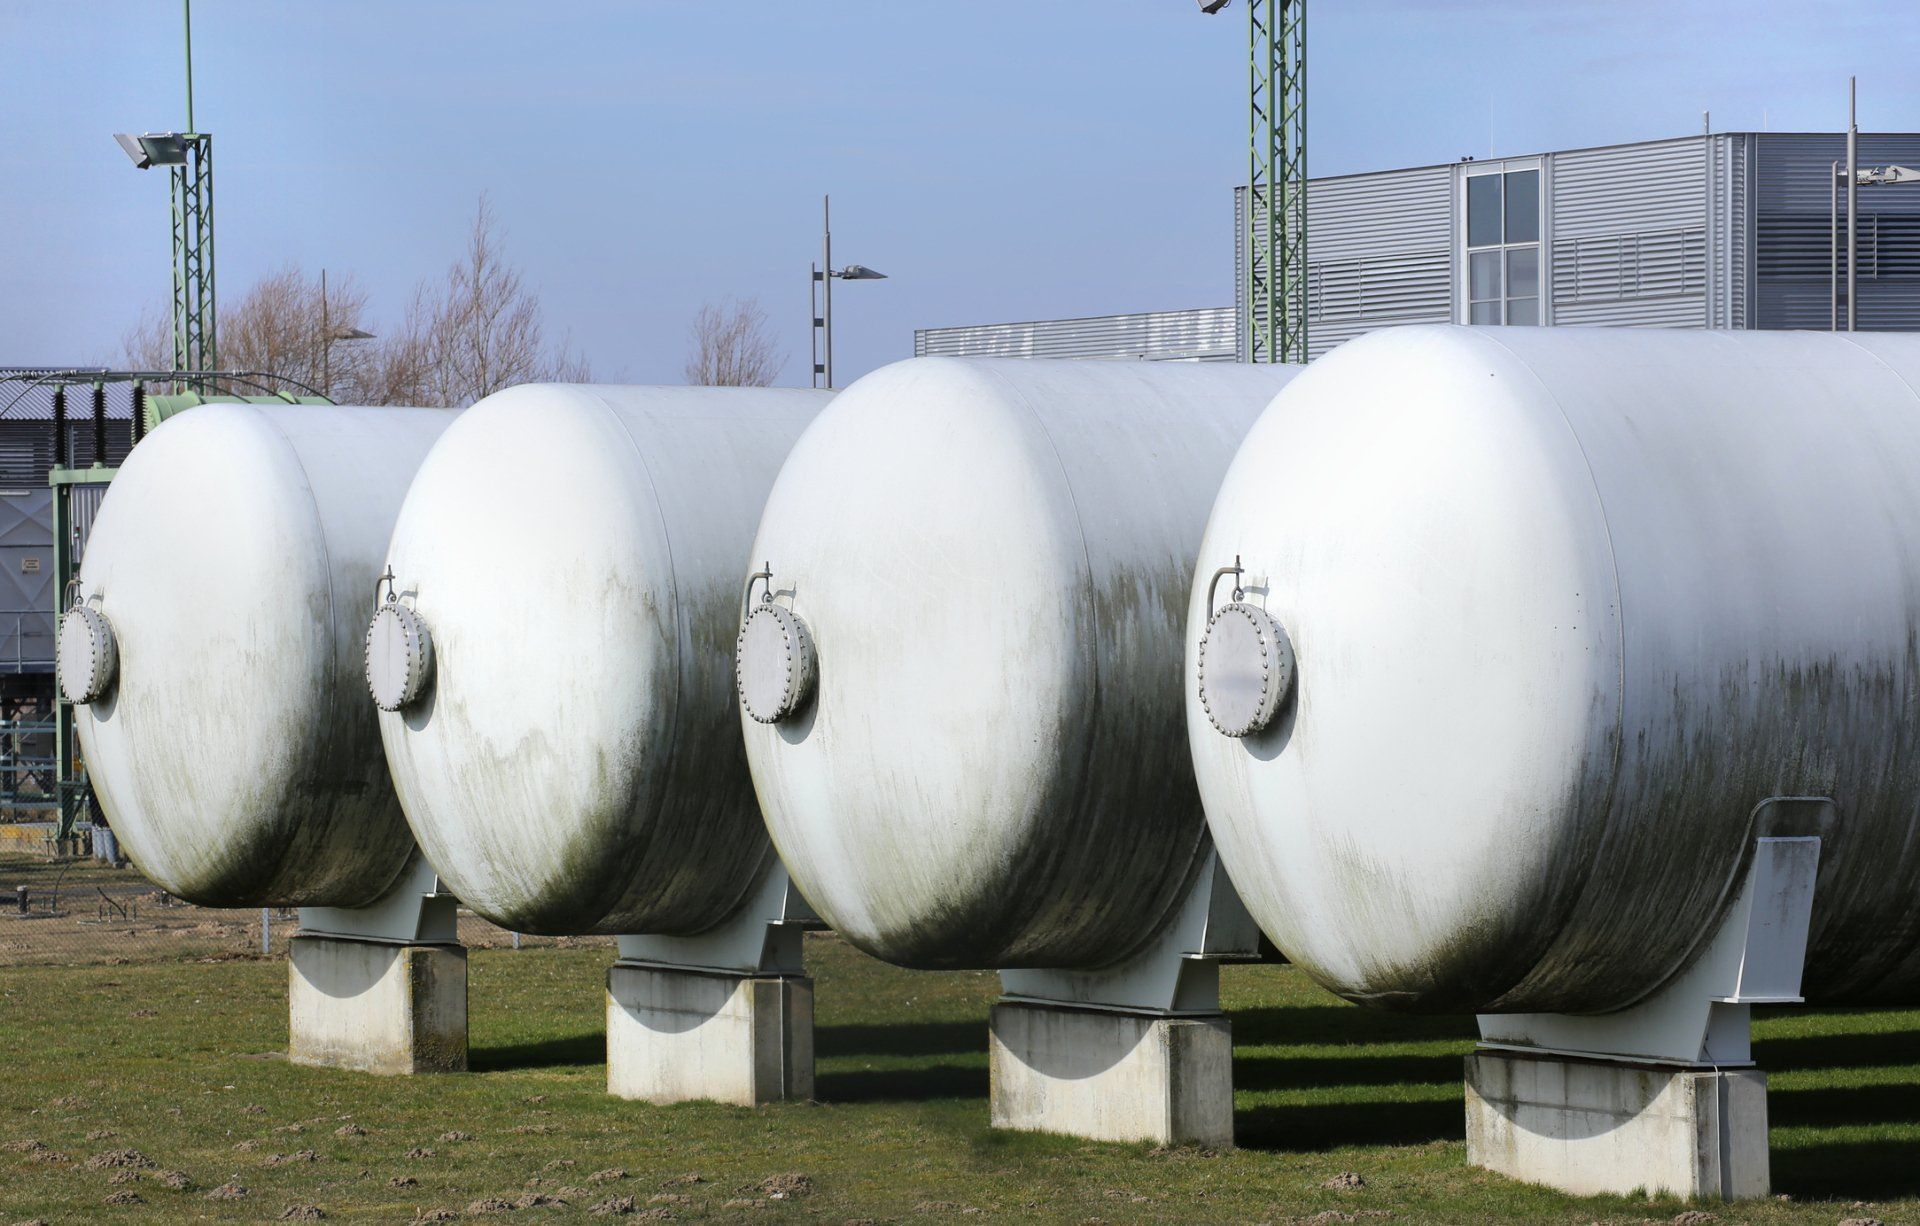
(1463, 254)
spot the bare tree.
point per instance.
(732, 346)
(477, 333)
(282, 326)
(148, 345)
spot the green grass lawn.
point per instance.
(180, 1061)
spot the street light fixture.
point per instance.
(155, 148)
(820, 294)
(330, 334)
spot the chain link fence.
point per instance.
(76, 902)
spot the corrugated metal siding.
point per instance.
(1381, 252)
(1793, 230)
(1729, 230)
(83, 508)
(26, 582)
(1204, 335)
(1629, 230)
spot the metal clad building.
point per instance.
(1730, 230)
(1205, 335)
(26, 504)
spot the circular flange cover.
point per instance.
(88, 657)
(1246, 669)
(399, 656)
(773, 663)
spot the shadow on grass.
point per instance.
(1309, 1127)
(570, 1051)
(1847, 1170)
(1314, 1072)
(901, 1085)
(906, 1039)
(1823, 1051)
(1845, 1106)
(1344, 1025)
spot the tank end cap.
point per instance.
(774, 666)
(89, 658)
(1246, 669)
(399, 656)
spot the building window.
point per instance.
(1503, 248)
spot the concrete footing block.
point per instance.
(676, 1035)
(1112, 1076)
(376, 1006)
(1591, 1126)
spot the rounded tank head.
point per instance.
(214, 652)
(960, 684)
(554, 664)
(1567, 607)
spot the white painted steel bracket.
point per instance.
(414, 912)
(1755, 957)
(1178, 973)
(763, 937)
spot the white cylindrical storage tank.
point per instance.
(1565, 605)
(573, 558)
(216, 659)
(962, 700)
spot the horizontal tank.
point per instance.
(217, 657)
(961, 700)
(565, 745)
(1561, 608)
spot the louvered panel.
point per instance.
(1384, 290)
(1199, 335)
(1795, 232)
(1679, 312)
(1623, 268)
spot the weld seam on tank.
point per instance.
(1575, 903)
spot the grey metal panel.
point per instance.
(1205, 335)
(26, 582)
(1381, 252)
(83, 507)
(1793, 230)
(1630, 232)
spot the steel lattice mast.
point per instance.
(195, 332)
(1276, 226)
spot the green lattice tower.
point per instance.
(195, 339)
(1276, 238)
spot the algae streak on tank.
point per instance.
(1565, 606)
(215, 656)
(555, 665)
(962, 674)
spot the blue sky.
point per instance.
(1001, 159)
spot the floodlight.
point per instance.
(154, 148)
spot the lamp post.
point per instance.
(820, 294)
(328, 335)
(1855, 176)
(189, 154)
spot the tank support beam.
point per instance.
(1138, 1051)
(381, 988)
(725, 1015)
(1662, 1095)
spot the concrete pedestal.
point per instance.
(1590, 1125)
(377, 1006)
(1112, 1075)
(676, 1034)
